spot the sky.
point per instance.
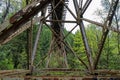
(89, 14)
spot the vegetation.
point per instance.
(13, 54)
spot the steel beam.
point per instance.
(101, 25)
(86, 6)
(29, 44)
(76, 5)
(69, 47)
(108, 22)
(61, 21)
(87, 48)
(36, 43)
(83, 33)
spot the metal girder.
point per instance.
(86, 6)
(83, 33)
(56, 16)
(108, 22)
(29, 44)
(66, 44)
(4, 73)
(23, 16)
(69, 47)
(101, 25)
(36, 43)
(76, 6)
(87, 48)
(37, 38)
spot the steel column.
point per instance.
(29, 43)
(83, 33)
(108, 22)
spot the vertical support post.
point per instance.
(29, 43)
(37, 39)
(83, 33)
(57, 37)
(36, 44)
(108, 22)
(87, 48)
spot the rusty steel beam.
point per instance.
(108, 72)
(83, 32)
(62, 21)
(53, 10)
(108, 22)
(76, 5)
(70, 31)
(64, 77)
(87, 48)
(86, 6)
(36, 43)
(43, 13)
(13, 72)
(69, 47)
(29, 44)
(18, 24)
(79, 13)
(69, 10)
(59, 70)
(101, 25)
(56, 17)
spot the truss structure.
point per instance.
(23, 19)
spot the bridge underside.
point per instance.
(21, 21)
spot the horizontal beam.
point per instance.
(63, 21)
(108, 71)
(13, 72)
(101, 25)
(64, 77)
(20, 73)
(59, 69)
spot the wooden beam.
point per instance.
(20, 30)
(23, 20)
